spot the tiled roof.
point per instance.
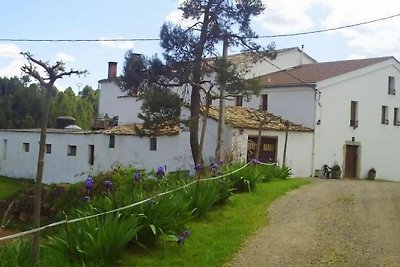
(129, 129)
(312, 73)
(248, 118)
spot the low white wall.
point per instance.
(59, 167)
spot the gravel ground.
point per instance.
(329, 223)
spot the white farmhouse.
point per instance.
(353, 108)
(344, 112)
(72, 154)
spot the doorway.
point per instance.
(351, 161)
(268, 149)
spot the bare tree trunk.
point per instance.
(259, 140)
(204, 127)
(39, 176)
(194, 125)
(221, 117)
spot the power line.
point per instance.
(80, 40)
(158, 39)
(330, 29)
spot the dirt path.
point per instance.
(330, 222)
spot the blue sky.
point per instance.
(96, 19)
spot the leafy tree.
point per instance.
(21, 103)
(186, 49)
(161, 107)
(91, 96)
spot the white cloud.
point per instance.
(378, 38)
(286, 16)
(117, 44)
(64, 57)
(12, 69)
(355, 56)
(9, 51)
(176, 18)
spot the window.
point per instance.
(353, 114)
(48, 148)
(71, 150)
(91, 155)
(396, 120)
(384, 118)
(264, 103)
(111, 143)
(25, 146)
(153, 143)
(239, 101)
(4, 149)
(391, 86)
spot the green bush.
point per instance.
(16, 253)
(202, 196)
(269, 172)
(162, 215)
(244, 180)
(97, 241)
(165, 215)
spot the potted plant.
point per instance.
(336, 171)
(371, 174)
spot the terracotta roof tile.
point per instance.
(129, 129)
(312, 73)
(248, 118)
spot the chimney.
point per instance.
(301, 56)
(112, 70)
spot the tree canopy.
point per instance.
(21, 105)
(188, 49)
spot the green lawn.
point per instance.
(216, 238)
(8, 186)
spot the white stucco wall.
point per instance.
(295, 104)
(284, 60)
(172, 151)
(298, 150)
(113, 103)
(379, 144)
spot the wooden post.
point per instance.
(285, 146)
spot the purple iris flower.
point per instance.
(197, 167)
(89, 183)
(182, 237)
(107, 184)
(160, 171)
(213, 165)
(137, 176)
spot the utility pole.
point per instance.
(221, 120)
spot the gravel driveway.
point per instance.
(330, 223)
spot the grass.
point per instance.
(216, 238)
(9, 186)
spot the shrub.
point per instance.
(270, 172)
(202, 196)
(92, 242)
(244, 180)
(16, 253)
(165, 215)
